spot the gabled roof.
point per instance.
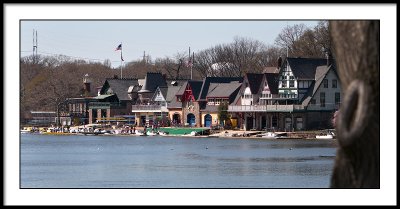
(167, 92)
(254, 80)
(119, 87)
(195, 86)
(163, 91)
(304, 68)
(320, 74)
(170, 94)
(152, 81)
(272, 81)
(237, 99)
(223, 89)
(208, 80)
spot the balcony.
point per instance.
(265, 108)
(103, 105)
(149, 108)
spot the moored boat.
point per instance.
(328, 135)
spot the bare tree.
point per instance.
(269, 56)
(235, 59)
(289, 37)
(300, 41)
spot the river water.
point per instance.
(73, 161)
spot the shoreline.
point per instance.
(306, 135)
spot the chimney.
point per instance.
(279, 62)
(86, 82)
(328, 56)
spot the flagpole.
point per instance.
(189, 62)
(121, 60)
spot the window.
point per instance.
(283, 84)
(337, 98)
(301, 84)
(325, 83)
(322, 99)
(334, 83)
(291, 77)
(291, 83)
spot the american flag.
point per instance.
(119, 47)
(190, 61)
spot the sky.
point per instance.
(99, 40)
(96, 40)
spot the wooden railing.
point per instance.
(149, 108)
(103, 105)
(264, 108)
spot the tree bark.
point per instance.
(356, 49)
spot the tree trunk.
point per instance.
(356, 49)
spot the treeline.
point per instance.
(48, 80)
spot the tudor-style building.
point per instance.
(257, 92)
(308, 92)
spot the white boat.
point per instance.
(273, 135)
(194, 133)
(151, 133)
(24, 131)
(140, 133)
(162, 133)
(329, 135)
(269, 135)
